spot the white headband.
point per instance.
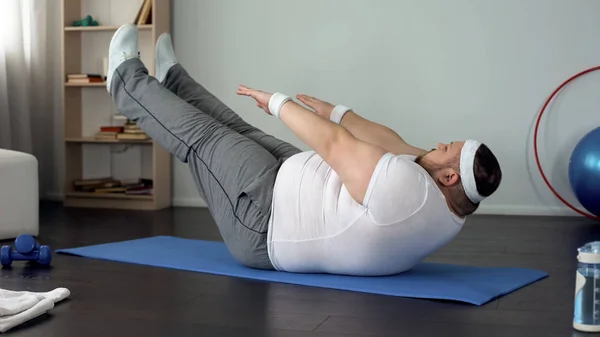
(467, 174)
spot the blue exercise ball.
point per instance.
(584, 171)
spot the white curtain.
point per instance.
(26, 86)
(24, 92)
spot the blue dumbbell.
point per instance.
(27, 250)
(26, 244)
(42, 256)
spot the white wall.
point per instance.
(432, 70)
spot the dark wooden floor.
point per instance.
(116, 299)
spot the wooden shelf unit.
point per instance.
(72, 42)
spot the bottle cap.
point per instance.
(589, 253)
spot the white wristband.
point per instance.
(338, 112)
(276, 101)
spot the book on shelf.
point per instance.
(110, 190)
(80, 76)
(109, 185)
(133, 128)
(105, 135)
(144, 15)
(90, 185)
(111, 129)
(85, 78)
(144, 191)
(133, 136)
(129, 131)
(134, 131)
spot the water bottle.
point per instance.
(586, 316)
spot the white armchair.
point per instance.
(19, 194)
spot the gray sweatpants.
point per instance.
(234, 164)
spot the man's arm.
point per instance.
(352, 159)
(364, 129)
(378, 134)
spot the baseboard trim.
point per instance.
(176, 202)
(483, 209)
(188, 202)
(526, 210)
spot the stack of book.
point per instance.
(109, 185)
(129, 131)
(108, 132)
(85, 78)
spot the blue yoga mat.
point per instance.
(475, 285)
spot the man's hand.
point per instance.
(322, 108)
(262, 98)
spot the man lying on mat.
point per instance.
(362, 203)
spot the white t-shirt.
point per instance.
(317, 227)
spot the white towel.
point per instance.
(17, 307)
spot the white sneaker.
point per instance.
(123, 46)
(165, 56)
